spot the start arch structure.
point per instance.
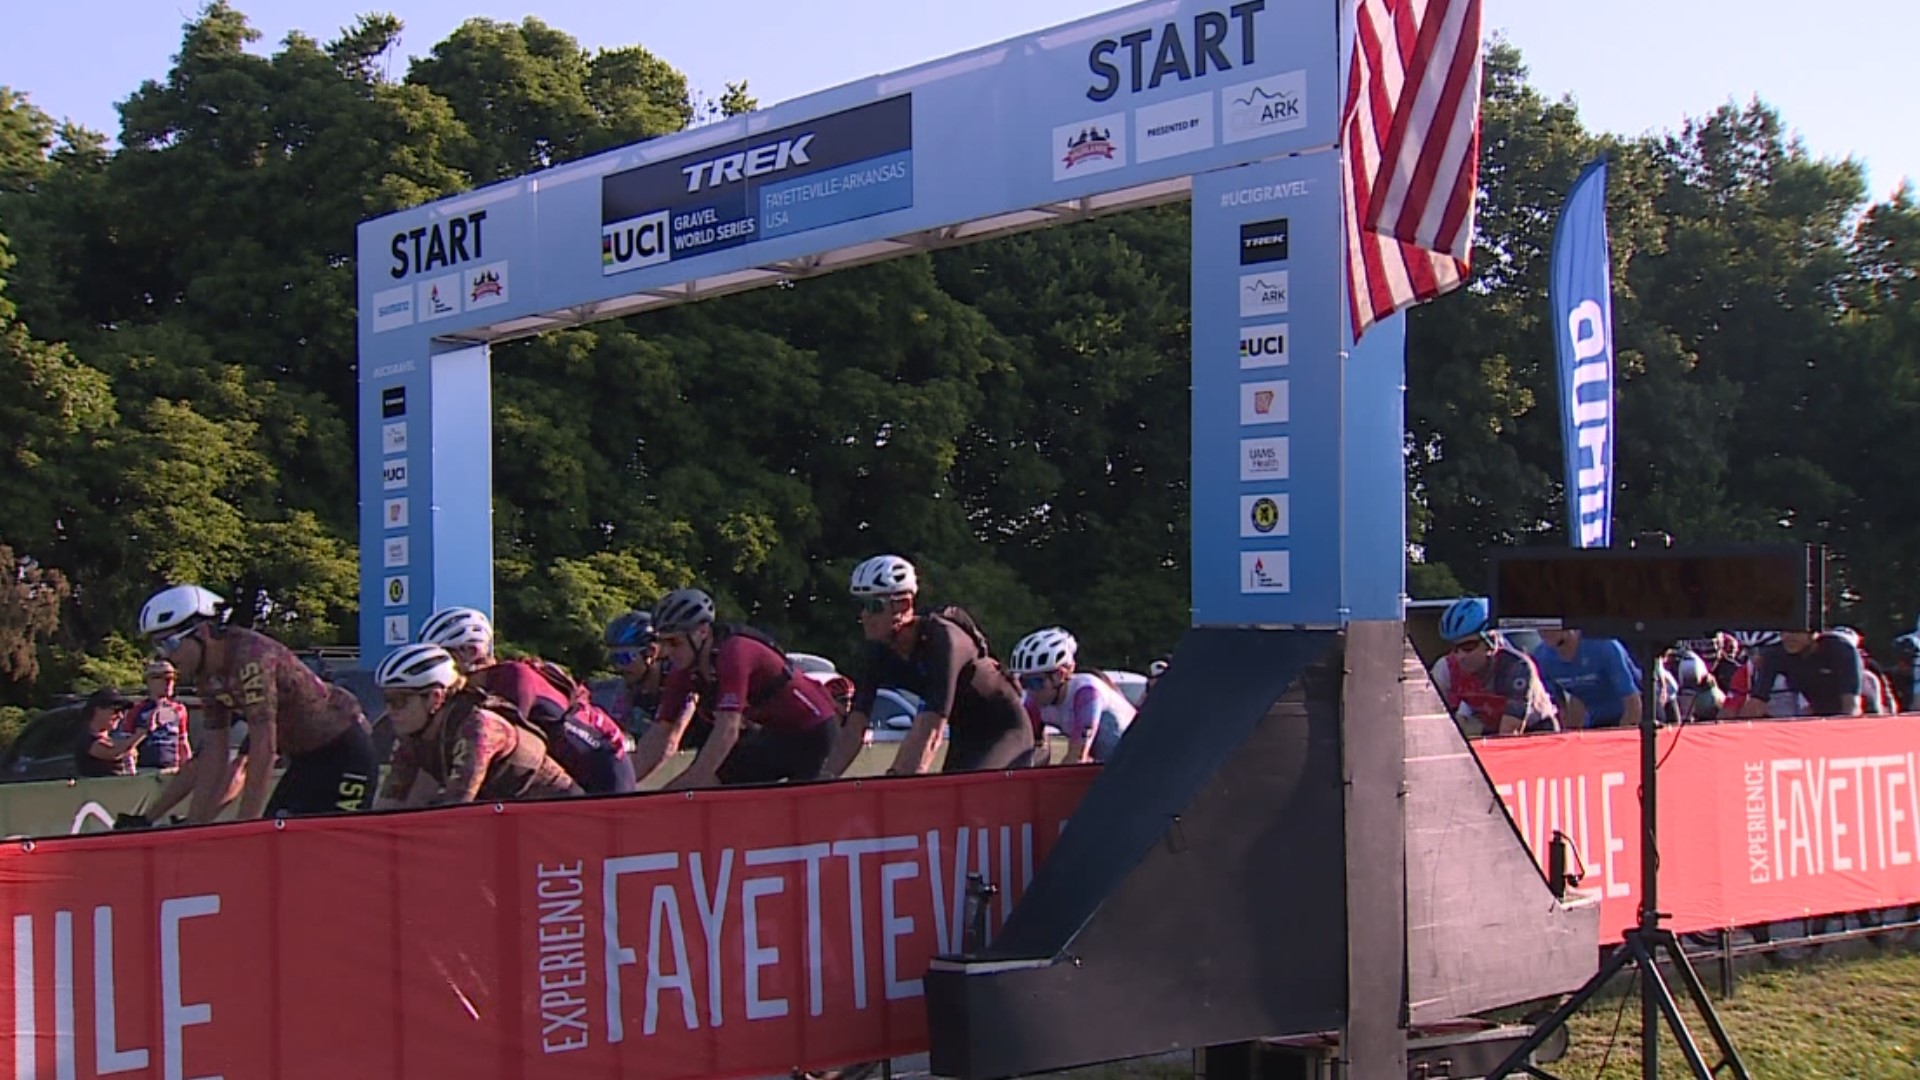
(1298, 512)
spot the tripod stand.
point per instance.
(1643, 943)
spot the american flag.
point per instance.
(1410, 141)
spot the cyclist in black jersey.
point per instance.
(961, 686)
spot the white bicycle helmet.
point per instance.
(681, 610)
(417, 667)
(451, 627)
(176, 606)
(1848, 632)
(1693, 671)
(885, 575)
(1043, 650)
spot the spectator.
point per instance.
(163, 719)
(1901, 677)
(1699, 695)
(1825, 669)
(101, 750)
(1599, 684)
(1876, 690)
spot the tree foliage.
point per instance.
(177, 368)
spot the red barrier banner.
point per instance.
(718, 934)
(1759, 822)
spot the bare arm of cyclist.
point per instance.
(662, 738)
(259, 703)
(847, 741)
(403, 775)
(705, 770)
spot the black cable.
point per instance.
(1632, 992)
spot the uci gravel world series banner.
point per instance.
(1581, 294)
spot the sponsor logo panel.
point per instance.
(1266, 572)
(1264, 402)
(1262, 107)
(1263, 346)
(1172, 128)
(1090, 147)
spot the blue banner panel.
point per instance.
(1120, 108)
(1580, 293)
(1267, 394)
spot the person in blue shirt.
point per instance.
(1598, 683)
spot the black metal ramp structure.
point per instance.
(1293, 839)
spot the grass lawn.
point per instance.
(1858, 1019)
(1829, 1019)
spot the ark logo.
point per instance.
(1265, 107)
(1263, 294)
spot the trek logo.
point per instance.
(1263, 242)
(1263, 346)
(759, 161)
(393, 402)
(1212, 35)
(635, 243)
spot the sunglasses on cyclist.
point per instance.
(879, 605)
(628, 655)
(1037, 681)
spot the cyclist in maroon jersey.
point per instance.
(749, 680)
(458, 744)
(289, 711)
(580, 735)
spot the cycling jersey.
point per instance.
(587, 743)
(752, 679)
(1509, 685)
(988, 727)
(1828, 669)
(477, 753)
(263, 682)
(1091, 709)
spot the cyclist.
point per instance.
(1876, 689)
(635, 652)
(245, 675)
(1698, 696)
(1489, 686)
(944, 659)
(1822, 670)
(1599, 683)
(456, 743)
(1090, 711)
(1155, 671)
(748, 680)
(580, 736)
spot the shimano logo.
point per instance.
(759, 161)
(1592, 416)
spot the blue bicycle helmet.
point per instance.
(634, 630)
(1465, 618)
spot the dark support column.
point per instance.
(1373, 745)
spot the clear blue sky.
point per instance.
(1632, 65)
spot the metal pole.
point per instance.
(1649, 864)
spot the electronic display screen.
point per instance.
(1754, 588)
